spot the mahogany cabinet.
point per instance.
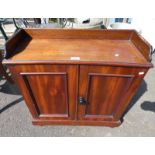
(77, 77)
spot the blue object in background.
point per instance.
(118, 19)
(114, 20)
(129, 20)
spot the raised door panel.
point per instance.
(104, 90)
(49, 90)
(105, 93)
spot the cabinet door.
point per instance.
(49, 90)
(105, 91)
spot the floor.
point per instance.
(139, 120)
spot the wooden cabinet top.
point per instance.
(117, 47)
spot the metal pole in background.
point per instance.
(3, 32)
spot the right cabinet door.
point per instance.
(104, 92)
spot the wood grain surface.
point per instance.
(86, 50)
(50, 90)
(78, 77)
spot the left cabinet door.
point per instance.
(49, 90)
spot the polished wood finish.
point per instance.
(51, 89)
(78, 48)
(138, 41)
(53, 103)
(92, 46)
(106, 90)
(78, 77)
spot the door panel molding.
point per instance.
(126, 79)
(27, 75)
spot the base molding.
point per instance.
(77, 122)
